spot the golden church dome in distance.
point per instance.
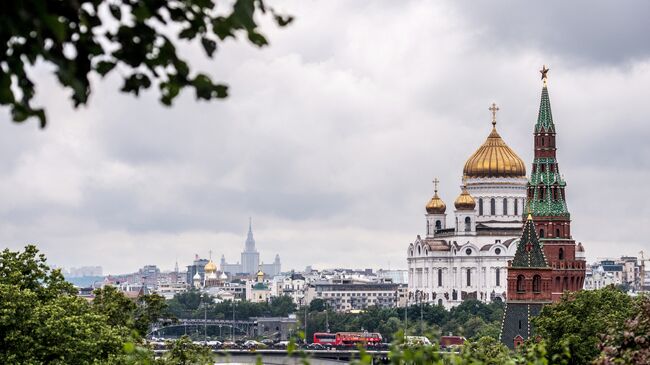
(436, 205)
(210, 267)
(465, 201)
(494, 158)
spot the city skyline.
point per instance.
(332, 135)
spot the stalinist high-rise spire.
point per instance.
(250, 258)
(250, 241)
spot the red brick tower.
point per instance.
(529, 287)
(547, 203)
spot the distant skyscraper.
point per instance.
(250, 259)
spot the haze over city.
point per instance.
(331, 137)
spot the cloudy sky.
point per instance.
(333, 134)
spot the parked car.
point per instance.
(316, 346)
(282, 345)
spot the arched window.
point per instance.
(419, 251)
(516, 206)
(469, 277)
(492, 206)
(537, 283)
(498, 274)
(480, 207)
(557, 283)
(557, 232)
(505, 206)
(439, 277)
(561, 254)
(520, 284)
(468, 224)
(411, 253)
(438, 225)
(541, 233)
(440, 302)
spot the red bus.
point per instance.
(451, 341)
(352, 339)
(324, 338)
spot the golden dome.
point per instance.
(494, 159)
(465, 201)
(210, 267)
(436, 205)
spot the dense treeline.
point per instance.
(194, 304)
(472, 319)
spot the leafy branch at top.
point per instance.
(79, 37)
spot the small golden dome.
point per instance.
(210, 267)
(465, 201)
(494, 159)
(436, 205)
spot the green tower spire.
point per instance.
(545, 117)
(529, 250)
(546, 187)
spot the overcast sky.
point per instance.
(332, 135)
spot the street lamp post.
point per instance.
(232, 326)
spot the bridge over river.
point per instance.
(281, 357)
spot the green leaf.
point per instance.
(104, 67)
(115, 11)
(209, 46)
(187, 33)
(57, 28)
(257, 38)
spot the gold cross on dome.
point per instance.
(435, 184)
(210, 252)
(494, 109)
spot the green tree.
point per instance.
(486, 351)
(317, 305)
(282, 306)
(632, 345)
(577, 321)
(184, 352)
(42, 321)
(115, 305)
(136, 39)
(150, 308)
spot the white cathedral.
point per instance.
(468, 257)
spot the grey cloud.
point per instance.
(587, 32)
(330, 139)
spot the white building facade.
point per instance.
(465, 256)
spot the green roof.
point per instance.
(545, 117)
(529, 250)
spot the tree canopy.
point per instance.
(576, 323)
(136, 38)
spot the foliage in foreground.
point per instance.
(136, 39)
(577, 322)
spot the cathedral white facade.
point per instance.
(465, 255)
